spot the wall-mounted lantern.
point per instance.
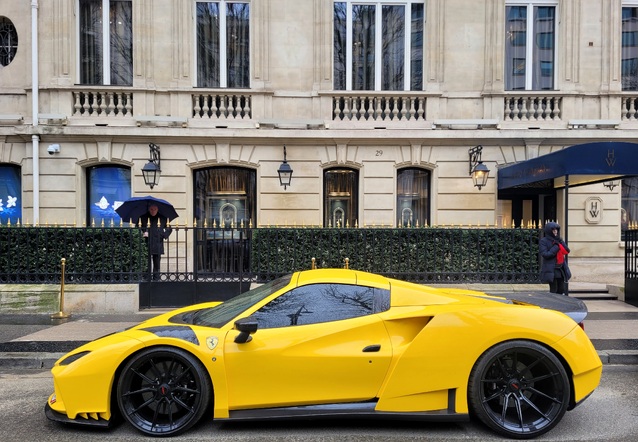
(478, 170)
(285, 172)
(151, 170)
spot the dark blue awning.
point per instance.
(584, 164)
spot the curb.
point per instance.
(619, 357)
(29, 360)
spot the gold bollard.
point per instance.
(347, 261)
(314, 264)
(61, 314)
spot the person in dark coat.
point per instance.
(553, 252)
(155, 228)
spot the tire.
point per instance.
(519, 389)
(163, 391)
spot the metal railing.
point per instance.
(631, 266)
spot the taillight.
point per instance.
(582, 325)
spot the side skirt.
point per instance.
(362, 410)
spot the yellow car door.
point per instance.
(295, 358)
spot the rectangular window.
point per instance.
(378, 45)
(223, 43)
(530, 46)
(106, 42)
(629, 48)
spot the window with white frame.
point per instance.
(105, 36)
(378, 45)
(223, 44)
(530, 44)
(629, 46)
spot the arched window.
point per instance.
(10, 194)
(225, 197)
(341, 197)
(413, 197)
(107, 188)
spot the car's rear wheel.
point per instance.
(519, 389)
(163, 391)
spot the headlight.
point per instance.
(68, 360)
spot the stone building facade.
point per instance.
(377, 103)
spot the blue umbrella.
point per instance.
(133, 208)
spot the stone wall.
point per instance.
(82, 298)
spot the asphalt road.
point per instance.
(611, 414)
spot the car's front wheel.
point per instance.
(519, 389)
(163, 391)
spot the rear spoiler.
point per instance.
(572, 307)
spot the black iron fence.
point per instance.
(204, 254)
(631, 266)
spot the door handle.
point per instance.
(372, 348)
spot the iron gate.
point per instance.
(631, 266)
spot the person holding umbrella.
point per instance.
(153, 216)
(156, 230)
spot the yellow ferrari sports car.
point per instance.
(335, 342)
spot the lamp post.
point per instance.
(285, 172)
(478, 170)
(151, 170)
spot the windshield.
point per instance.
(220, 314)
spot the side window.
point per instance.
(317, 303)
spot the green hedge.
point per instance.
(498, 255)
(86, 250)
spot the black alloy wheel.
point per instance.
(519, 389)
(163, 391)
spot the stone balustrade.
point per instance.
(378, 107)
(532, 108)
(403, 109)
(222, 106)
(108, 103)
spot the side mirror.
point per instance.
(246, 326)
